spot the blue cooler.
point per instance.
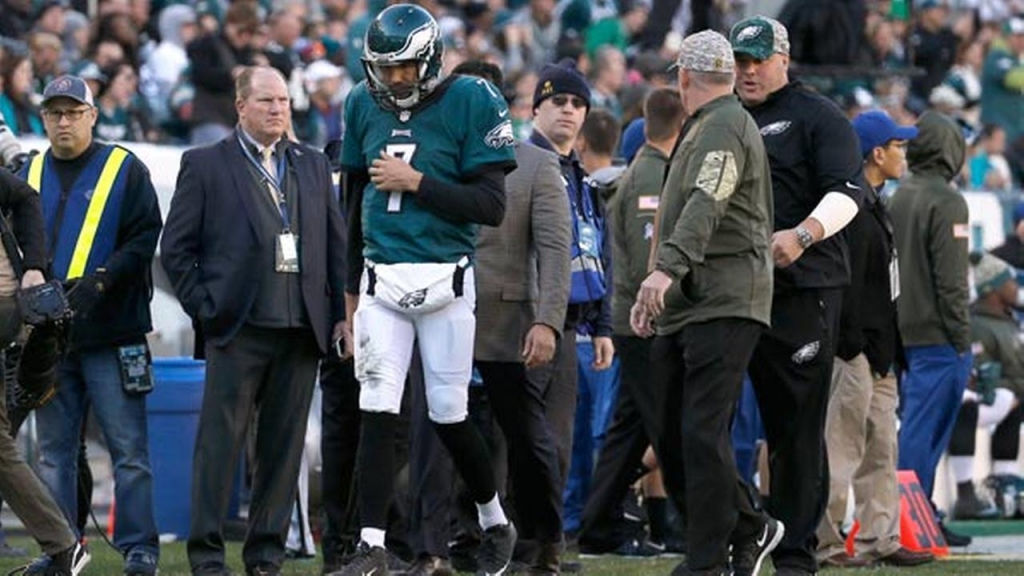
(173, 410)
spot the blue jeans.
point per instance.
(94, 379)
(931, 392)
(594, 406)
(747, 429)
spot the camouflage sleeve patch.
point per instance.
(718, 175)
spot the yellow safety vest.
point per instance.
(101, 192)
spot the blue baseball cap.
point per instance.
(1018, 213)
(71, 87)
(876, 128)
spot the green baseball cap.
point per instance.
(1014, 25)
(759, 37)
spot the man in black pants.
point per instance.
(522, 296)
(634, 426)
(340, 416)
(815, 163)
(710, 293)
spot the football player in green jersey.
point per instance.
(424, 159)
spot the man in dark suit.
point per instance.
(522, 295)
(257, 263)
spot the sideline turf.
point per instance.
(107, 562)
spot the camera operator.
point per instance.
(20, 487)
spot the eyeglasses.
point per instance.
(73, 115)
(562, 99)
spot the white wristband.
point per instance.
(834, 212)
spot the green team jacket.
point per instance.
(715, 228)
(996, 337)
(631, 213)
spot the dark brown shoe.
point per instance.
(844, 560)
(905, 557)
(548, 560)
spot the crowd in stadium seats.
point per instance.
(166, 72)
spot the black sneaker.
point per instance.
(35, 566)
(971, 506)
(954, 539)
(264, 569)
(367, 561)
(69, 562)
(496, 548)
(140, 563)
(633, 548)
(748, 554)
(682, 569)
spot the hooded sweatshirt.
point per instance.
(931, 227)
(169, 60)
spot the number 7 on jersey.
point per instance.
(403, 152)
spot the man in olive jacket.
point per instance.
(994, 401)
(710, 292)
(637, 417)
(930, 222)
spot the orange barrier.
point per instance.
(918, 529)
(110, 519)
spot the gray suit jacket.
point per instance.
(522, 266)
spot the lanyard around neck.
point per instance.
(275, 183)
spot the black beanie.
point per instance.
(561, 78)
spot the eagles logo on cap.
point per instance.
(748, 33)
(759, 37)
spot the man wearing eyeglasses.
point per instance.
(560, 104)
(860, 426)
(102, 224)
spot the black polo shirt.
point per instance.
(812, 150)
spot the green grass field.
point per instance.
(107, 562)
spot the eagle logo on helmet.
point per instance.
(399, 34)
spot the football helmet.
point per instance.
(402, 33)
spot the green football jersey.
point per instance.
(452, 136)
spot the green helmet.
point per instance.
(402, 33)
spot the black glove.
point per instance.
(87, 291)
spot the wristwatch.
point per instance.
(803, 237)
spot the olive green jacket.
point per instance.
(716, 218)
(631, 213)
(997, 338)
(930, 223)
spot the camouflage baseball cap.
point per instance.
(706, 51)
(759, 37)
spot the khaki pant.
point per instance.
(860, 431)
(19, 486)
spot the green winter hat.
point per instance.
(990, 273)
